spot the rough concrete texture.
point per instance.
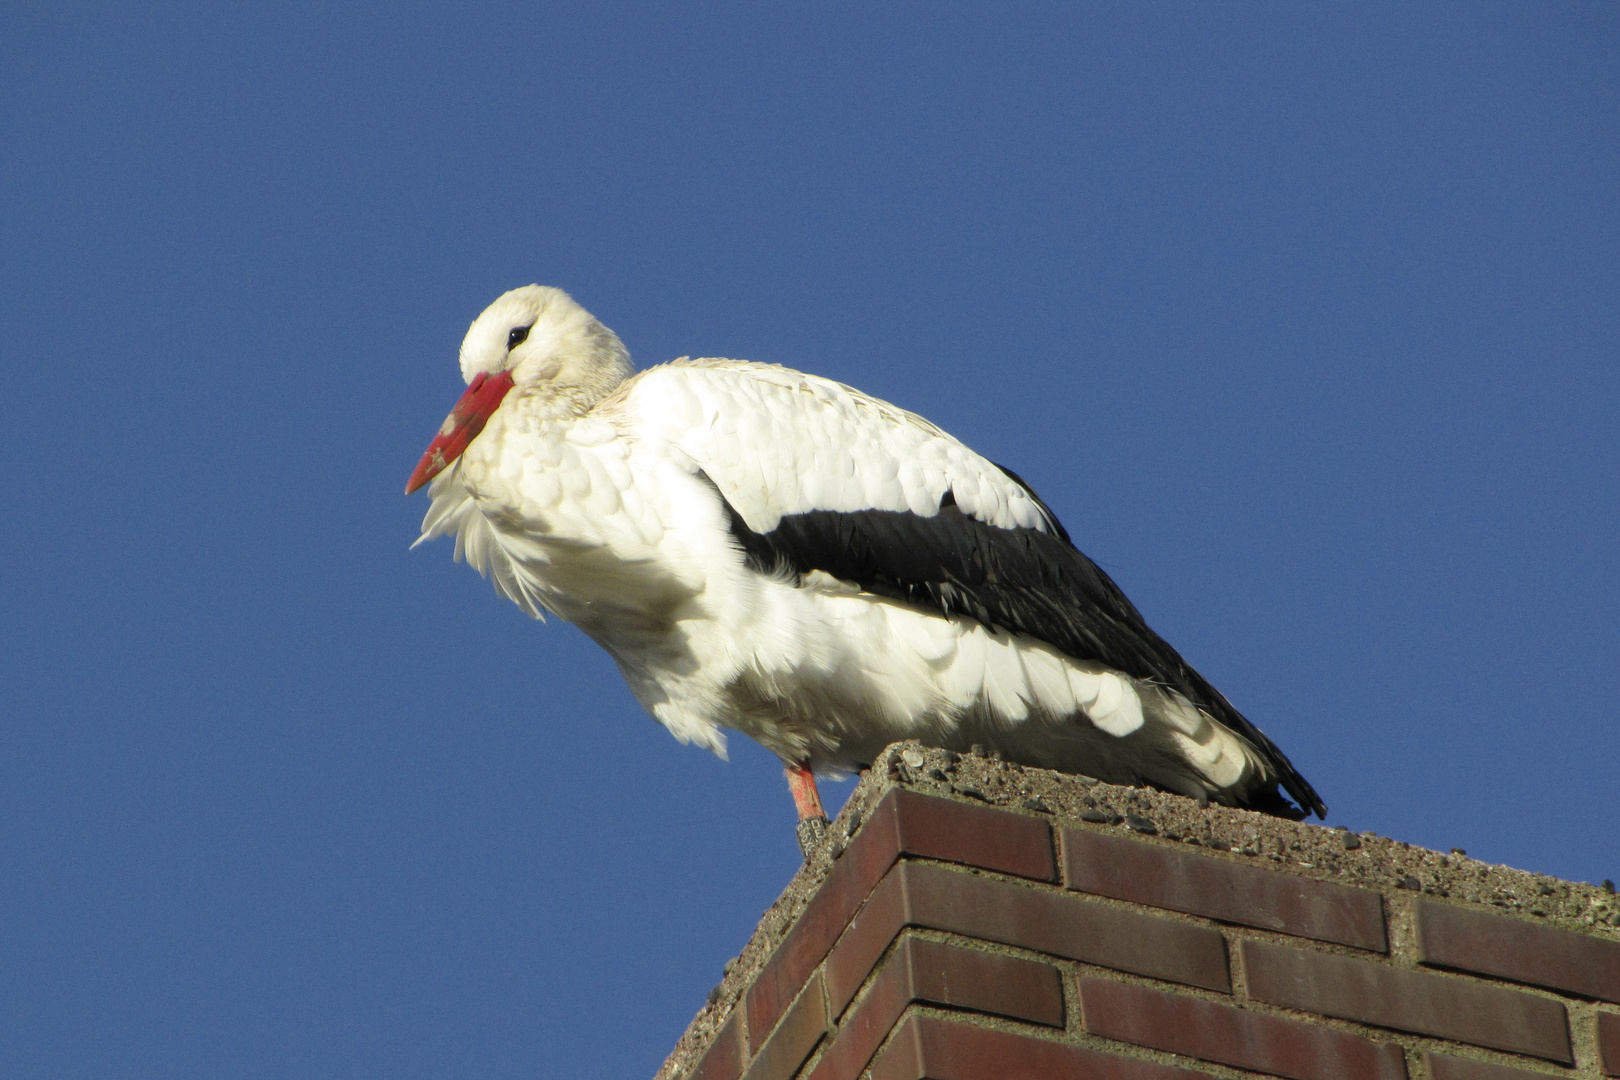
(1328, 854)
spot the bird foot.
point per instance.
(812, 828)
(811, 831)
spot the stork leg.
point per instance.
(812, 818)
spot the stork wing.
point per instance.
(779, 442)
(817, 476)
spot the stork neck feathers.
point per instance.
(562, 360)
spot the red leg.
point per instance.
(807, 800)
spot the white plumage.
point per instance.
(774, 553)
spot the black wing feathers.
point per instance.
(1018, 580)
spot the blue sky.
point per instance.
(1303, 318)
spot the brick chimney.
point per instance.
(969, 919)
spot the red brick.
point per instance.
(886, 912)
(903, 822)
(849, 881)
(723, 1059)
(1148, 873)
(933, 828)
(1446, 1067)
(940, 975)
(1608, 1040)
(864, 1029)
(1456, 937)
(794, 1038)
(1217, 1031)
(1444, 1006)
(985, 982)
(932, 1048)
(1044, 920)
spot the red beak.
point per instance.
(461, 427)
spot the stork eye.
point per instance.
(518, 336)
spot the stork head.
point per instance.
(534, 338)
(540, 335)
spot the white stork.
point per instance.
(781, 555)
